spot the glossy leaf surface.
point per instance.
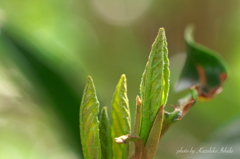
(203, 67)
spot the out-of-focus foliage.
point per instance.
(203, 68)
(70, 39)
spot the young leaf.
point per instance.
(154, 136)
(120, 118)
(155, 84)
(203, 68)
(89, 131)
(138, 145)
(105, 135)
(138, 113)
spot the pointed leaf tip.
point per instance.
(89, 77)
(188, 33)
(161, 29)
(154, 84)
(89, 124)
(123, 76)
(120, 117)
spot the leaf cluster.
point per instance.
(203, 74)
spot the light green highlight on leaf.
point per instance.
(194, 93)
(105, 135)
(89, 124)
(154, 84)
(121, 121)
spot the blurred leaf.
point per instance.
(89, 124)
(105, 135)
(155, 84)
(121, 121)
(48, 82)
(203, 68)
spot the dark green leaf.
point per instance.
(203, 68)
(89, 124)
(105, 135)
(121, 118)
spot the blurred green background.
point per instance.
(48, 47)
